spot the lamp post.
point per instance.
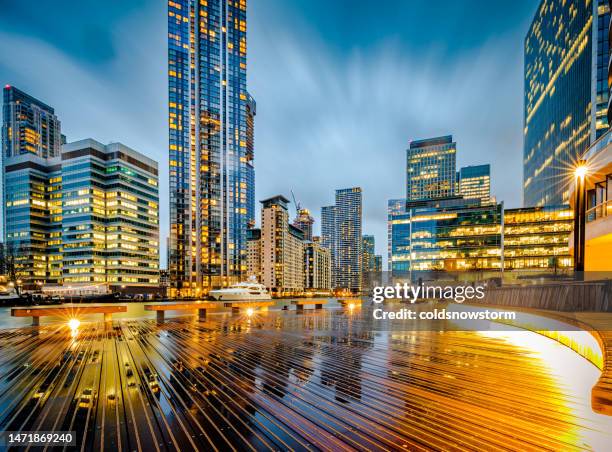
(579, 215)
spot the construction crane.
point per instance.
(297, 205)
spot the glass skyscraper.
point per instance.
(565, 94)
(443, 237)
(341, 233)
(475, 182)
(211, 161)
(431, 168)
(31, 140)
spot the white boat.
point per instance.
(244, 291)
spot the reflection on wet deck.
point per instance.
(321, 380)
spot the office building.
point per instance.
(30, 230)
(210, 125)
(87, 219)
(431, 168)
(444, 237)
(304, 221)
(282, 249)
(110, 217)
(341, 233)
(601, 57)
(317, 267)
(475, 182)
(565, 97)
(536, 238)
(29, 127)
(254, 253)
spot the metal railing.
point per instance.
(601, 210)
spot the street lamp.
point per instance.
(580, 173)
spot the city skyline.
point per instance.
(102, 73)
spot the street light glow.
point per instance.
(581, 171)
(250, 311)
(73, 324)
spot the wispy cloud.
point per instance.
(338, 102)
(328, 121)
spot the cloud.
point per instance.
(335, 108)
(123, 99)
(328, 120)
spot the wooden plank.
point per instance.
(181, 306)
(308, 302)
(248, 304)
(41, 311)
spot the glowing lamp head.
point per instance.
(250, 311)
(351, 305)
(73, 324)
(580, 171)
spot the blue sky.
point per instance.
(341, 86)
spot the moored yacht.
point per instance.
(244, 291)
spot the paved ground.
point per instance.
(281, 380)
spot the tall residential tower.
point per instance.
(211, 150)
(341, 233)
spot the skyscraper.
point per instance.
(31, 141)
(251, 111)
(29, 127)
(475, 182)
(304, 221)
(211, 174)
(565, 97)
(369, 251)
(341, 233)
(431, 168)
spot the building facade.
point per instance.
(254, 253)
(444, 238)
(347, 240)
(86, 218)
(304, 221)
(210, 125)
(30, 229)
(282, 249)
(110, 217)
(431, 168)
(29, 128)
(317, 267)
(565, 94)
(537, 238)
(475, 182)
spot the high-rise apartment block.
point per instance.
(565, 98)
(317, 266)
(431, 168)
(282, 248)
(341, 226)
(210, 144)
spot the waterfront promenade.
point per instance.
(324, 380)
